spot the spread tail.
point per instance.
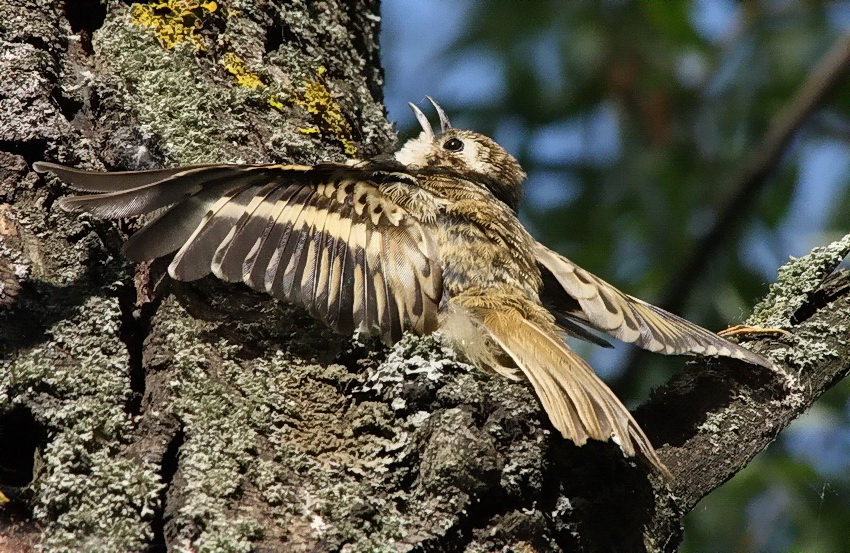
(578, 403)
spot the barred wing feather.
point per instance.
(322, 237)
(586, 298)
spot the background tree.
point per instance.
(141, 414)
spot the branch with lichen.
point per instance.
(712, 419)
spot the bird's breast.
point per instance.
(483, 249)
(482, 245)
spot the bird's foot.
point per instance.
(739, 330)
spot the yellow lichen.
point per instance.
(174, 22)
(247, 78)
(244, 76)
(275, 103)
(316, 98)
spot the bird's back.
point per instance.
(483, 246)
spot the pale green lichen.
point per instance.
(197, 119)
(194, 119)
(218, 442)
(796, 280)
(87, 496)
(331, 455)
(806, 347)
(222, 430)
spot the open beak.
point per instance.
(425, 124)
(444, 119)
(423, 121)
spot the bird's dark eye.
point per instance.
(453, 145)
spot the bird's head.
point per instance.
(468, 153)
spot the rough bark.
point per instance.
(138, 414)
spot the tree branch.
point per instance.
(715, 419)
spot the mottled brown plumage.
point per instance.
(426, 241)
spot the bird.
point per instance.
(422, 240)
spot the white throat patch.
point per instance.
(415, 151)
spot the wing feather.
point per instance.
(264, 265)
(342, 284)
(325, 238)
(194, 259)
(98, 181)
(170, 230)
(231, 254)
(284, 260)
(152, 196)
(580, 295)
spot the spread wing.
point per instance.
(580, 295)
(323, 237)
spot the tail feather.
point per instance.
(578, 403)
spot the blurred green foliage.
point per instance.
(633, 119)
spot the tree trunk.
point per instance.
(141, 414)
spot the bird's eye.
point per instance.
(453, 145)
